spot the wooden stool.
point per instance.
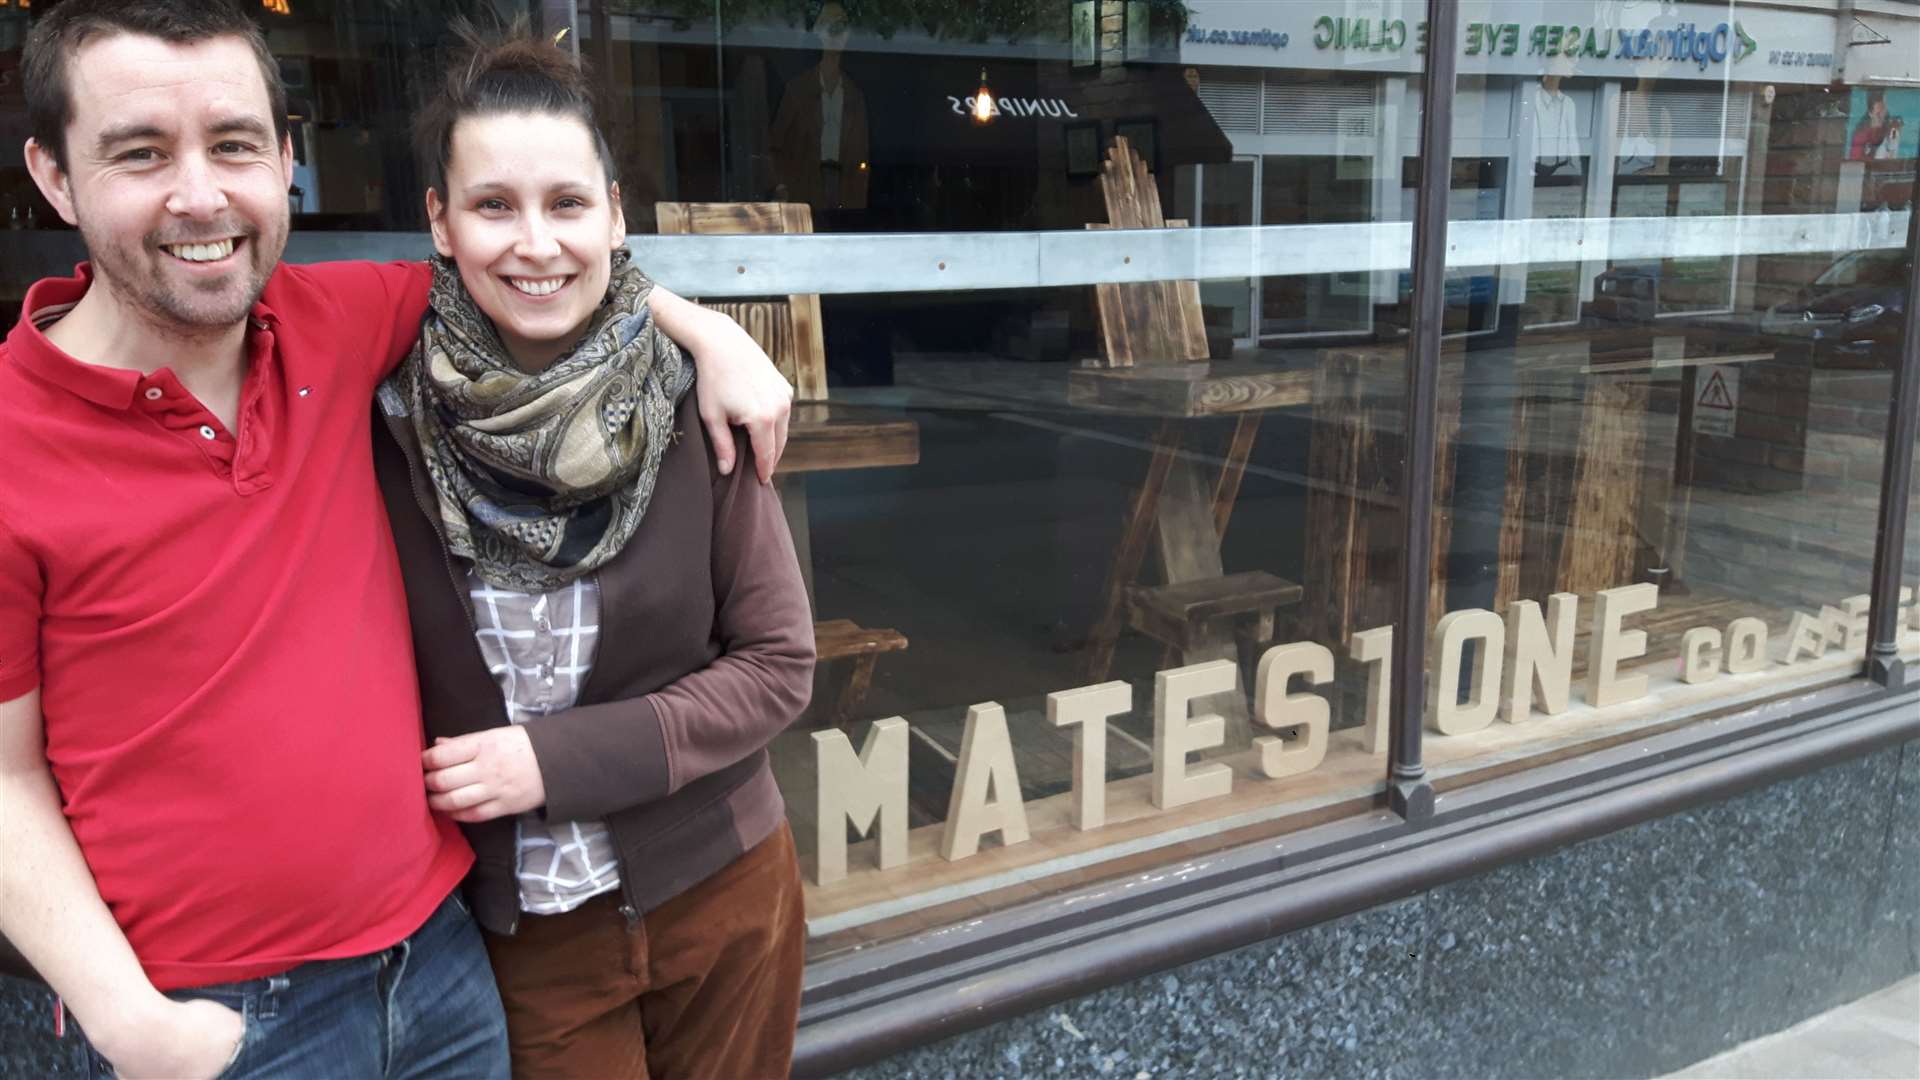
(843, 639)
(1179, 615)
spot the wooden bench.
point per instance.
(820, 436)
(843, 639)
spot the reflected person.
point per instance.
(820, 131)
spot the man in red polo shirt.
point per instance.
(217, 844)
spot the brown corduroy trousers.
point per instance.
(707, 985)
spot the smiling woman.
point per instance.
(545, 411)
(530, 218)
(528, 209)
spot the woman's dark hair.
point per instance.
(511, 72)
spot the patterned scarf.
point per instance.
(542, 478)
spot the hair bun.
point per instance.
(510, 71)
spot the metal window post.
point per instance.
(1896, 482)
(1409, 793)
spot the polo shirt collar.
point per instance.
(47, 300)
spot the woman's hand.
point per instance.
(737, 385)
(484, 775)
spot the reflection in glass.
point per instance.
(1662, 446)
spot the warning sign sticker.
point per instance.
(1718, 399)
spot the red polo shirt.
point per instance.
(216, 623)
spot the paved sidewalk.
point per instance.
(1877, 1036)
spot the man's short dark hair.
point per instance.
(60, 33)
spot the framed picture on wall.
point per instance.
(1140, 133)
(1083, 148)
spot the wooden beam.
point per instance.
(1131, 551)
(1226, 489)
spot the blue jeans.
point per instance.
(426, 1007)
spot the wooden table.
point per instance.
(826, 436)
(1184, 516)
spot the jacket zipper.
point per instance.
(628, 908)
(466, 609)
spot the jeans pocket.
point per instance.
(240, 1002)
(99, 1068)
(459, 900)
(232, 1067)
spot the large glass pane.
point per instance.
(1054, 531)
(1668, 433)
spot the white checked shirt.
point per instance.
(540, 649)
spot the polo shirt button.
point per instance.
(206, 432)
(154, 393)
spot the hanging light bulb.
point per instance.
(983, 111)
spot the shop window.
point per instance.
(1663, 487)
(1478, 192)
(1589, 488)
(1070, 631)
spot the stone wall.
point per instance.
(1629, 955)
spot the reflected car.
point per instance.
(1628, 293)
(1852, 313)
(1633, 293)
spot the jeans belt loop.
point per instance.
(270, 998)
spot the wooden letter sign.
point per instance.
(1611, 645)
(869, 790)
(1449, 716)
(1305, 713)
(1175, 734)
(1086, 710)
(986, 764)
(1539, 657)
